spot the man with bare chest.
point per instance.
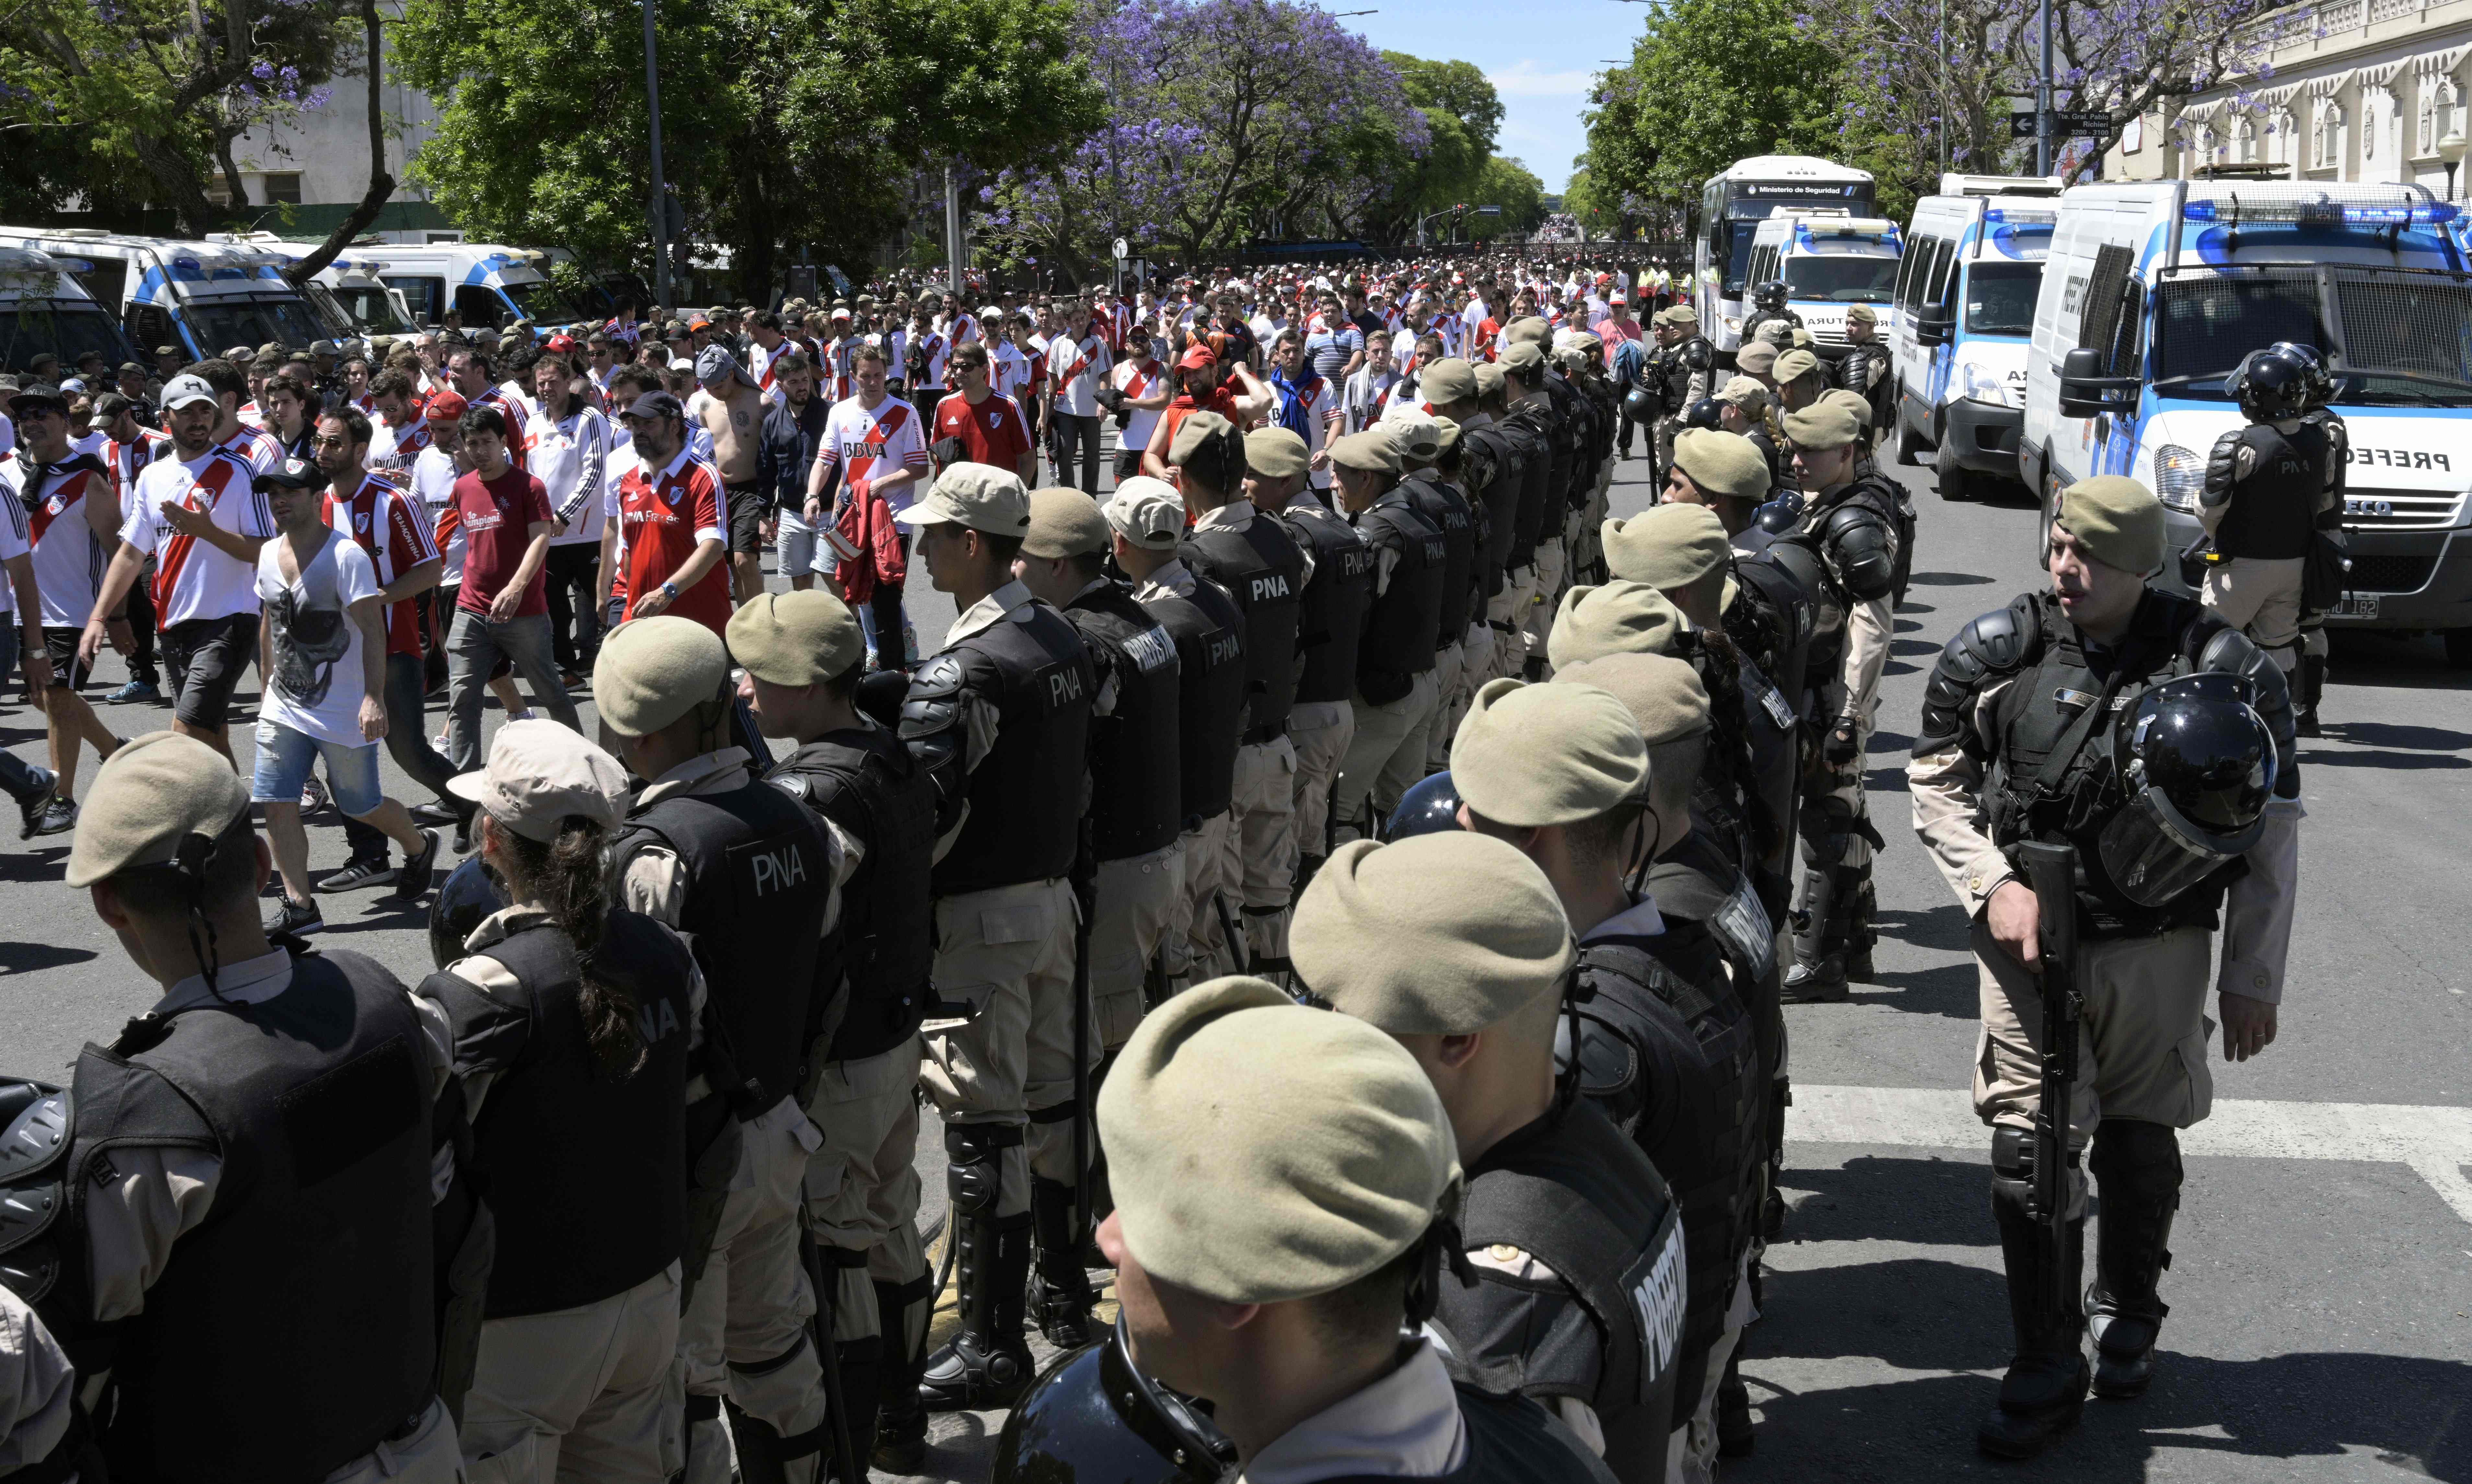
(729, 407)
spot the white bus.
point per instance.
(1733, 204)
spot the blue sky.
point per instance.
(1540, 55)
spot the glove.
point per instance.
(1844, 745)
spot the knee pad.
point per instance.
(2012, 1165)
(2136, 1158)
(974, 1171)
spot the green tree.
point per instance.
(1509, 184)
(783, 125)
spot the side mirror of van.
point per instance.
(1930, 331)
(2086, 392)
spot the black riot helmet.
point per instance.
(471, 892)
(2313, 366)
(1704, 413)
(2196, 764)
(1095, 1416)
(1639, 404)
(1770, 296)
(1432, 805)
(2271, 387)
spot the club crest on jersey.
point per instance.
(361, 521)
(670, 497)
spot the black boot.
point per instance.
(1772, 1203)
(900, 1426)
(861, 1364)
(2313, 684)
(2045, 1389)
(1059, 1291)
(1818, 977)
(1860, 935)
(985, 1364)
(2136, 1167)
(1734, 1436)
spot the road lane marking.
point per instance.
(2435, 1140)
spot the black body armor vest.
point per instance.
(2275, 508)
(1533, 454)
(878, 960)
(1403, 624)
(587, 1175)
(1333, 620)
(1264, 571)
(758, 878)
(1583, 1200)
(293, 1329)
(1027, 796)
(1135, 750)
(1500, 495)
(1447, 510)
(1209, 634)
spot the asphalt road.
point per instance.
(2323, 1269)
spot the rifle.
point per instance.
(1086, 898)
(1236, 955)
(826, 1279)
(2052, 871)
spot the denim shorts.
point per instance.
(285, 755)
(796, 544)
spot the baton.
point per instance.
(828, 1360)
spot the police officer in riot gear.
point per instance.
(296, 1096)
(1770, 308)
(803, 657)
(2322, 578)
(575, 1028)
(1866, 367)
(1261, 566)
(2267, 486)
(749, 875)
(1514, 510)
(1456, 943)
(1000, 720)
(1135, 823)
(1848, 524)
(1528, 408)
(2146, 731)
(1417, 435)
(1232, 1114)
(1684, 367)
(1395, 697)
(1474, 458)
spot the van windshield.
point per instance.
(2407, 336)
(2000, 298)
(219, 325)
(66, 328)
(542, 303)
(1841, 280)
(372, 308)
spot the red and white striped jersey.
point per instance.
(193, 579)
(870, 446)
(391, 526)
(68, 558)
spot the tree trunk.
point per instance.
(381, 184)
(177, 183)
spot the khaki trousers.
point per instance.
(1262, 849)
(1136, 900)
(1387, 755)
(1007, 953)
(592, 1393)
(2262, 599)
(753, 1304)
(1553, 565)
(428, 1457)
(862, 1185)
(1511, 606)
(1196, 949)
(1690, 1450)
(1450, 700)
(2141, 1041)
(1321, 731)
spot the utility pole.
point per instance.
(952, 231)
(2043, 97)
(660, 189)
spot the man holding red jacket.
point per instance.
(873, 450)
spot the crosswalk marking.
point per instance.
(2435, 1140)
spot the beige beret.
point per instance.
(1488, 379)
(1670, 545)
(1148, 512)
(1276, 453)
(1441, 934)
(1820, 427)
(1795, 364)
(652, 671)
(151, 793)
(1758, 358)
(1619, 618)
(1371, 451)
(1863, 314)
(1744, 392)
(1683, 315)
(1528, 330)
(1264, 1152)
(1194, 431)
(1413, 431)
(1528, 756)
(1856, 404)
(979, 496)
(1522, 357)
(1664, 695)
(2118, 521)
(1450, 380)
(796, 638)
(1721, 463)
(1064, 523)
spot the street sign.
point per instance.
(1489, 211)
(2092, 124)
(1124, 250)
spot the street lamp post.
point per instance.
(2450, 147)
(660, 190)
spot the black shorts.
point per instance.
(206, 658)
(747, 508)
(1129, 463)
(61, 645)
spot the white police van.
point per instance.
(1964, 307)
(1829, 260)
(346, 293)
(2154, 292)
(489, 286)
(206, 297)
(44, 311)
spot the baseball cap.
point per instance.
(47, 395)
(106, 407)
(542, 774)
(291, 474)
(716, 363)
(1195, 356)
(655, 405)
(445, 406)
(181, 391)
(977, 496)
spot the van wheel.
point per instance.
(2459, 649)
(1956, 483)
(1901, 439)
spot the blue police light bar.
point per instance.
(2318, 213)
(2016, 217)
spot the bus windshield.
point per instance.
(1842, 278)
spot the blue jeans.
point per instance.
(285, 757)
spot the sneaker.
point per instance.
(134, 690)
(59, 817)
(412, 882)
(438, 743)
(524, 715)
(463, 835)
(299, 918)
(36, 806)
(356, 874)
(312, 796)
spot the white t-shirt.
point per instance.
(318, 681)
(1135, 383)
(1074, 367)
(570, 456)
(434, 474)
(195, 579)
(14, 541)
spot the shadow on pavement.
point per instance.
(1948, 579)
(1945, 927)
(1951, 989)
(1930, 1202)
(26, 958)
(2427, 739)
